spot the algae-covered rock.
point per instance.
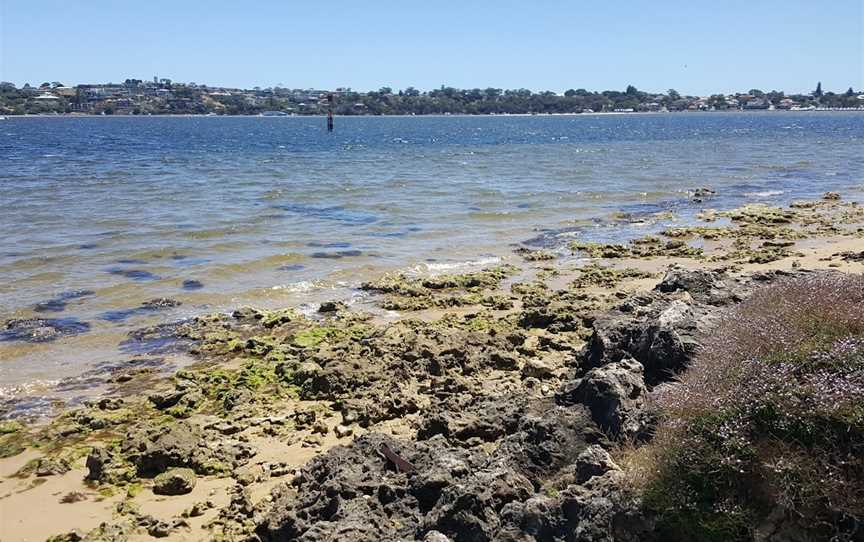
(12, 442)
(600, 250)
(174, 482)
(414, 293)
(105, 532)
(161, 303)
(558, 311)
(535, 255)
(328, 307)
(75, 535)
(606, 277)
(277, 318)
(757, 213)
(645, 247)
(108, 466)
(50, 466)
(10, 426)
(154, 450)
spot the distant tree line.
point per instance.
(163, 96)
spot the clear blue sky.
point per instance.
(695, 47)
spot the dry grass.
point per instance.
(770, 417)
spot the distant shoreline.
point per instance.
(444, 115)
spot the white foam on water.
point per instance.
(297, 287)
(308, 309)
(763, 194)
(441, 268)
(18, 390)
(356, 297)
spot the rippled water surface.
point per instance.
(102, 214)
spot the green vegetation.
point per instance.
(414, 293)
(137, 97)
(595, 275)
(646, 247)
(765, 432)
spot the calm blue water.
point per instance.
(219, 212)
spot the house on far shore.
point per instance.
(66, 92)
(757, 104)
(46, 98)
(651, 106)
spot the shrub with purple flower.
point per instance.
(765, 431)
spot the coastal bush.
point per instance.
(764, 435)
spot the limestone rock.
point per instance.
(341, 431)
(154, 450)
(603, 510)
(174, 482)
(594, 461)
(615, 395)
(537, 368)
(51, 466)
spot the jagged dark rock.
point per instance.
(704, 286)
(593, 461)
(657, 330)
(661, 329)
(604, 510)
(614, 393)
(468, 419)
(461, 493)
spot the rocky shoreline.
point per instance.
(499, 407)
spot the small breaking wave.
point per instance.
(298, 287)
(27, 388)
(764, 194)
(441, 268)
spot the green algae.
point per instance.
(482, 321)
(704, 232)
(528, 288)
(133, 490)
(403, 293)
(256, 375)
(769, 251)
(313, 337)
(280, 317)
(10, 426)
(606, 277)
(600, 250)
(758, 213)
(317, 335)
(536, 255)
(646, 247)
